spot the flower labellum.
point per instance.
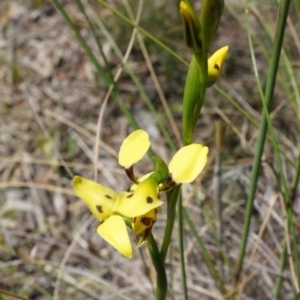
(143, 199)
(114, 231)
(141, 223)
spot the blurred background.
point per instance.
(51, 96)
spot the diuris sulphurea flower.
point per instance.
(141, 202)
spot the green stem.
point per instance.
(271, 79)
(293, 193)
(171, 213)
(279, 279)
(158, 263)
(181, 247)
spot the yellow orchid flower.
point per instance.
(142, 202)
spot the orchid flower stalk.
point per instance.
(122, 214)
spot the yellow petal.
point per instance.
(188, 163)
(114, 231)
(99, 199)
(139, 202)
(215, 63)
(133, 148)
(141, 179)
(140, 224)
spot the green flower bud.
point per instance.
(211, 12)
(191, 26)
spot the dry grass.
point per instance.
(50, 101)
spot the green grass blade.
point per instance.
(279, 279)
(96, 37)
(143, 31)
(274, 63)
(83, 43)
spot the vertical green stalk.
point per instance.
(279, 279)
(158, 263)
(181, 247)
(295, 181)
(171, 213)
(271, 79)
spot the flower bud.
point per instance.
(215, 64)
(211, 12)
(191, 26)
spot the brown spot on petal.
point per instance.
(108, 197)
(99, 208)
(217, 67)
(129, 196)
(149, 200)
(147, 221)
(133, 220)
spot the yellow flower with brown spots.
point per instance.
(141, 202)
